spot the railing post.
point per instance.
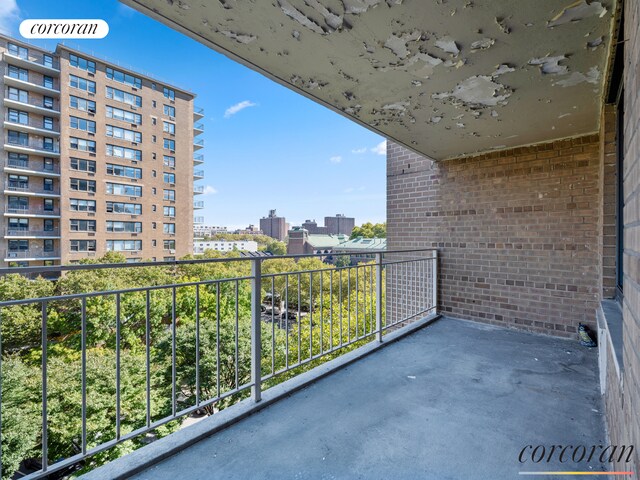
(434, 279)
(379, 297)
(256, 341)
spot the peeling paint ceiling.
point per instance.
(443, 77)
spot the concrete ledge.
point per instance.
(147, 456)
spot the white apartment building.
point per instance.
(199, 246)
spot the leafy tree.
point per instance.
(369, 230)
(276, 248)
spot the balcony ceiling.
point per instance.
(445, 78)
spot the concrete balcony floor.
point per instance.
(453, 400)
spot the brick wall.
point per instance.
(518, 231)
(608, 203)
(623, 398)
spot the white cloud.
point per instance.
(380, 149)
(9, 13)
(233, 109)
(359, 151)
(209, 190)
(336, 159)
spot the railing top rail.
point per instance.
(195, 261)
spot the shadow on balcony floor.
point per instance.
(454, 400)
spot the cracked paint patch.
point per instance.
(478, 90)
(502, 69)
(239, 37)
(551, 65)
(398, 106)
(483, 44)
(502, 25)
(576, 78)
(308, 84)
(577, 11)
(399, 44)
(357, 7)
(448, 44)
(595, 43)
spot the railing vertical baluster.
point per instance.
(198, 344)
(173, 352)
(273, 325)
(237, 335)
(310, 315)
(45, 432)
(118, 334)
(218, 339)
(1, 392)
(321, 316)
(434, 279)
(379, 297)
(256, 345)
(299, 320)
(372, 313)
(286, 315)
(340, 303)
(348, 304)
(148, 355)
(331, 309)
(357, 302)
(83, 355)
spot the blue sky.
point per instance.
(280, 151)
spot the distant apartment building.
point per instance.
(274, 226)
(96, 158)
(302, 242)
(201, 231)
(312, 227)
(250, 230)
(199, 246)
(339, 224)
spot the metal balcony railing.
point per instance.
(198, 189)
(37, 58)
(198, 111)
(32, 122)
(203, 340)
(198, 173)
(32, 166)
(34, 101)
(30, 210)
(37, 80)
(22, 254)
(198, 220)
(21, 187)
(198, 205)
(27, 232)
(32, 143)
(198, 159)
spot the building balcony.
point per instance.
(198, 189)
(30, 191)
(30, 255)
(31, 233)
(198, 113)
(197, 145)
(52, 90)
(198, 220)
(30, 211)
(37, 62)
(198, 205)
(34, 126)
(360, 378)
(32, 168)
(198, 174)
(198, 159)
(198, 129)
(31, 146)
(33, 104)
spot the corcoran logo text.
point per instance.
(76, 28)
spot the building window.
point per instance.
(82, 84)
(169, 161)
(47, 184)
(122, 171)
(18, 73)
(47, 245)
(18, 138)
(47, 225)
(47, 102)
(47, 143)
(169, 244)
(82, 104)
(122, 77)
(83, 245)
(154, 139)
(124, 245)
(18, 245)
(169, 93)
(169, 127)
(20, 224)
(128, 227)
(47, 204)
(18, 51)
(81, 205)
(123, 189)
(125, 208)
(83, 165)
(47, 81)
(81, 185)
(18, 182)
(168, 259)
(169, 111)
(82, 124)
(169, 177)
(82, 144)
(47, 164)
(18, 116)
(125, 116)
(122, 152)
(169, 228)
(124, 97)
(18, 95)
(82, 63)
(169, 195)
(153, 190)
(154, 225)
(18, 203)
(123, 134)
(169, 211)
(170, 144)
(47, 123)
(47, 60)
(82, 225)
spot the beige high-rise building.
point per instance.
(96, 158)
